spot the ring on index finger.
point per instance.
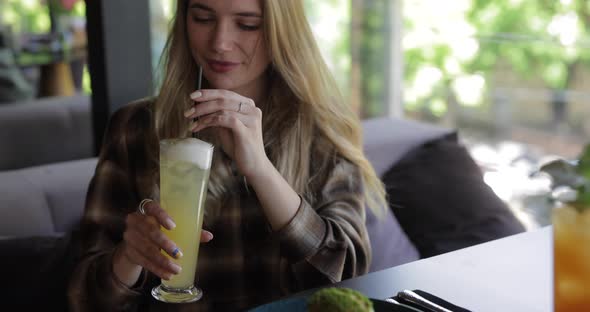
(141, 207)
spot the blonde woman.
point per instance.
(289, 181)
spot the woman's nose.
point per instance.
(223, 38)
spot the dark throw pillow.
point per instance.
(438, 195)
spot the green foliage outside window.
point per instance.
(25, 16)
(372, 44)
(375, 57)
(543, 36)
(32, 16)
(544, 40)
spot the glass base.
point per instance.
(175, 295)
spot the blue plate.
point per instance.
(299, 305)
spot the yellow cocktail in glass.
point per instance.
(184, 173)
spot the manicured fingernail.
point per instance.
(209, 236)
(196, 94)
(177, 254)
(170, 224)
(189, 112)
(193, 125)
(175, 268)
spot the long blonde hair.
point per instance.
(304, 116)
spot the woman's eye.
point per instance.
(202, 20)
(249, 27)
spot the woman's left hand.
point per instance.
(239, 126)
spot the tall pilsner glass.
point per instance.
(184, 174)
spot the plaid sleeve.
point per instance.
(304, 234)
(114, 191)
(98, 289)
(328, 241)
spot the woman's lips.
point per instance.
(222, 67)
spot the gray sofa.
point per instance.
(47, 163)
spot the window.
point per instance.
(359, 47)
(35, 30)
(161, 13)
(511, 75)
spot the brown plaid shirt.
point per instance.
(246, 264)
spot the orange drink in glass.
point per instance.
(571, 232)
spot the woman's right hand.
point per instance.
(142, 242)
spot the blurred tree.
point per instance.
(356, 37)
(60, 11)
(541, 38)
(537, 38)
(374, 56)
(359, 55)
(25, 16)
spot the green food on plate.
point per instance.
(338, 300)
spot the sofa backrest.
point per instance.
(44, 200)
(45, 131)
(387, 140)
(49, 199)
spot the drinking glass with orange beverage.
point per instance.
(571, 233)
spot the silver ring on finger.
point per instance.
(141, 207)
(240, 107)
